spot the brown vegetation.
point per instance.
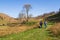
(17, 28)
(7, 18)
(55, 29)
(6, 30)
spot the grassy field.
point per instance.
(33, 34)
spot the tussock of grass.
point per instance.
(55, 30)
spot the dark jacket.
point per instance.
(41, 23)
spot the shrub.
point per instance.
(12, 24)
(29, 23)
(51, 23)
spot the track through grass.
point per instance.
(33, 34)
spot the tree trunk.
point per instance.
(27, 16)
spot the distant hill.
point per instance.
(54, 18)
(4, 18)
(45, 15)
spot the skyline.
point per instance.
(39, 7)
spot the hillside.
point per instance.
(4, 18)
(55, 29)
(54, 18)
(45, 15)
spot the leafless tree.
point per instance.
(21, 16)
(30, 15)
(27, 8)
(59, 10)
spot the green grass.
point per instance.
(51, 23)
(33, 34)
(30, 23)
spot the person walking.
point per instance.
(45, 24)
(41, 23)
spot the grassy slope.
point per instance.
(33, 34)
(54, 18)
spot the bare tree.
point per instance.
(59, 10)
(21, 16)
(30, 15)
(27, 8)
